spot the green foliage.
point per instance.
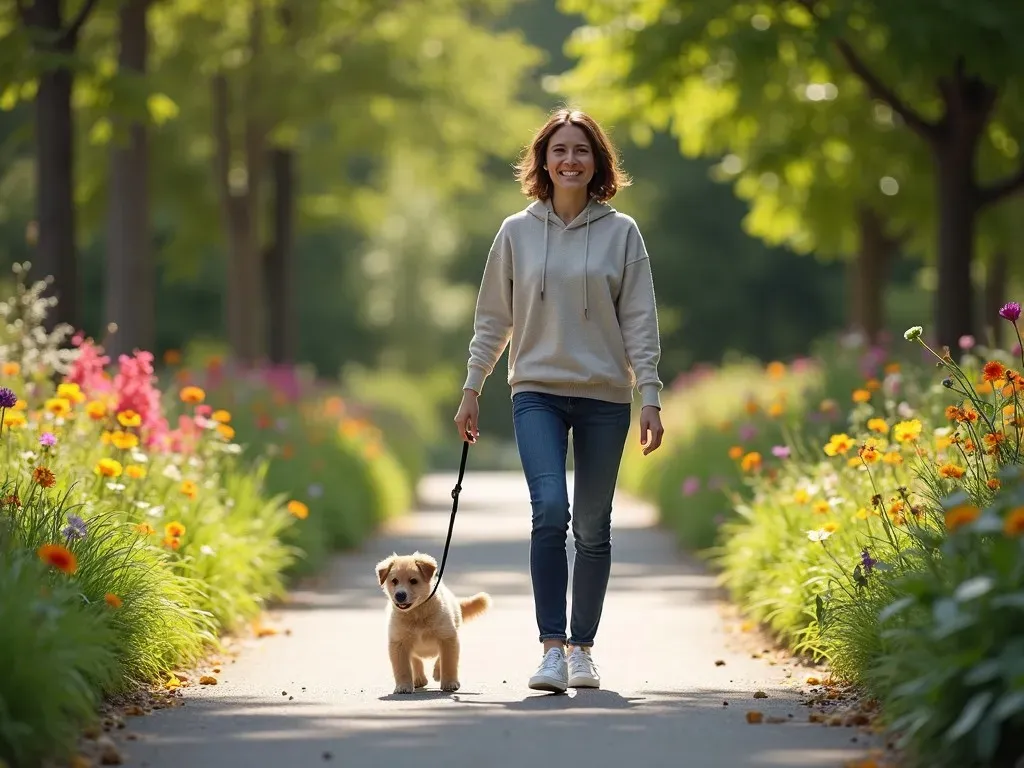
(57, 652)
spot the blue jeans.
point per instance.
(542, 423)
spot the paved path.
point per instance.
(322, 694)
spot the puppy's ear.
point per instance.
(384, 568)
(426, 565)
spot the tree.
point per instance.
(963, 110)
(52, 38)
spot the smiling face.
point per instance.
(406, 579)
(570, 159)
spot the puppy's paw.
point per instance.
(420, 682)
(403, 688)
(437, 670)
(450, 685)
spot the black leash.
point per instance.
(455, 508)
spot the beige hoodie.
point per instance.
(574, 304)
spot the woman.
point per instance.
(567, 287)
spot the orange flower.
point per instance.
(872, 385)
(145, 529)
(993, 439)
(108, 468)
(869, 453)
(736, 452)
(821, 507)
(993, 483)
(298, 509)
(171, 542)
(112, 600)
(135, 472)
(58, 557)
(129, 419)
(878, 425)
(892, 368)
(960, 516)
(751, 462)
(190, 489)
(225, 431)
(221, 415)
(955, 413)
(1013, 525)
(172, 357)
(776, 409)
(776, 369)
(192, 395)
(951, 470)
(44, 477)
(174, 530)
(993, 371)
(96, 410)
(11, 369)
(861, 395)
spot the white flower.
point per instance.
(171, 472)
(819, 535)
(116, 487)
(142, 504)
(206, 549)
(139, 457)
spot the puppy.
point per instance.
(420, 629)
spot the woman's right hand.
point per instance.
(468, 418)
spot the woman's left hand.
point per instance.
(651, 430)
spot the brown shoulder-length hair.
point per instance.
(609, 177)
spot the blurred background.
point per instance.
(314, 184)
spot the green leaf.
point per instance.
(970, 716)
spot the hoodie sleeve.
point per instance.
(638, 319)
(492, 324)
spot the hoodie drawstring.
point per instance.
(586, 259)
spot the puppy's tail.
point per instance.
(475, 605)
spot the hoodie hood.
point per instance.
(544, 210)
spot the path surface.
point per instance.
(322, 694)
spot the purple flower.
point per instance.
(1010, 311)
(691, 485)
(747, 432)
(75, 528)
(48, 439)
(866, 561)
(780, 451)
(7, 398)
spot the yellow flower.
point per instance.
(135, 471)
(776, 369)
(861, 395)
(907, 431)
(192, 395)
(221, 415)
(109, 468)
(878, 425)
(225, 431)
(961, 515)
(942, 442)
(864, 513)
(751, 462)
(869, 453)
(821, 507)
(776, 409)
(892, 457)
(129, 419)
(21, 405)
(189, 489)
(58, 406)
(174, 530)
(298, 509)
(11, 369)
(70, 391)
(145, 529)
(831, 526)
(96, 410)
(1013, 525)
(838, 444)
(801, 496)
(125, 441)
(14, 419)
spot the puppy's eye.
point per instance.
(414, 581)
(394, 582)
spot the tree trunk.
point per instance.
(954, 299)
(281, 331)
(995, 296)
(874, 256)
(55, 206)
(130, 288)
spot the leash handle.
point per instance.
(455, 508)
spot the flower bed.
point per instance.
(890, 545)
(135, 529)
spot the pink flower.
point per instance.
(1010, 311)
(691, 485)
(966, 342)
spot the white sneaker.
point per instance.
(552, 674)
(582, 670)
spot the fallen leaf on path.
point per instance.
(754, 717)
(760, 695)
(172, 683)
(719, 663)
(813, 681)
(207, 680)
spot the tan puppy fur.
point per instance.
(420, 629)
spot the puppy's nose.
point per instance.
(400, 597)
